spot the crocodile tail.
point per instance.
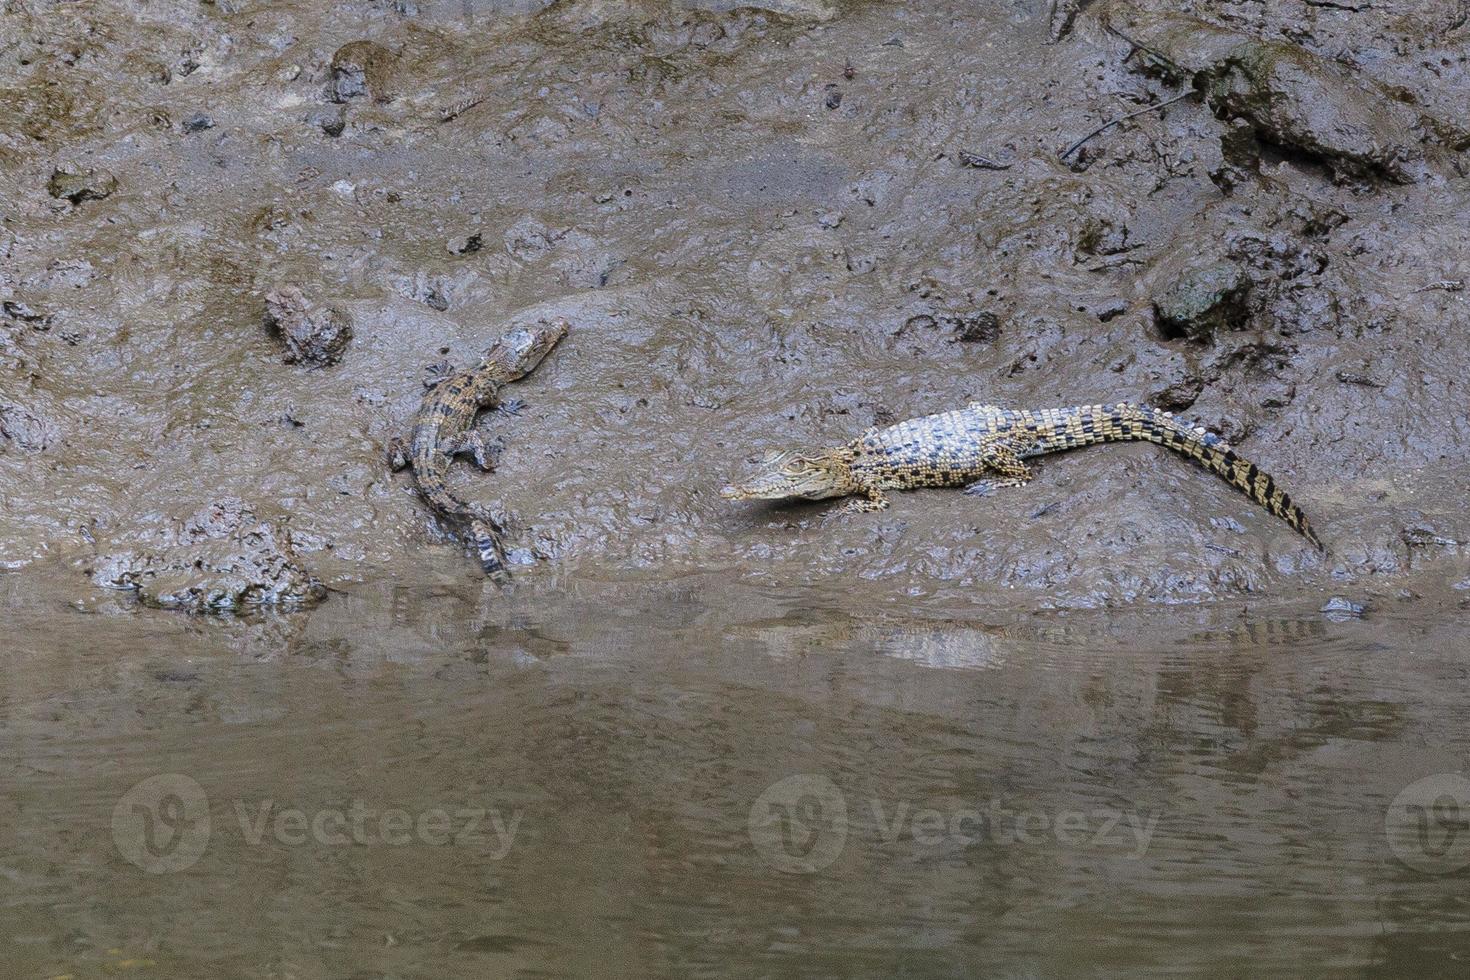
(1215, 454)
(482, 530)
(489, 549)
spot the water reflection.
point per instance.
(684, 779)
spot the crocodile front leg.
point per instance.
(870, 499)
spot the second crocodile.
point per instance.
(443, 429)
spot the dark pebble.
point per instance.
(331, 122)
(972, 328)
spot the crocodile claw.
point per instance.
(437, 373)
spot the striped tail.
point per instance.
(489, 549)
(482, 530)
(1127, 422)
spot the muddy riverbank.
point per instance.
(769, 226)
(1120, 721)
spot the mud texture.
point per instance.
(768, 227)
(1287, 95)
(223, 559)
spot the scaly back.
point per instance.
(958, 447)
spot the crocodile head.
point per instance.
(804, 475)
(518, 352)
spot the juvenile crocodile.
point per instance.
(442, 430)
(984, 448)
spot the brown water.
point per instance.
(680, 779)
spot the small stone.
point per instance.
(361, 68)
(1203, 301)
(198, 123)
(77, 184)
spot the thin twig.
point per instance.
(1122, 119)
(979, 162)
(463, 105)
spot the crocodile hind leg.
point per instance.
(1009, 469)
(984, 488)
(475, 445)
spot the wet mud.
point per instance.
(770, 226)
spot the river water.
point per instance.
(687, 779)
